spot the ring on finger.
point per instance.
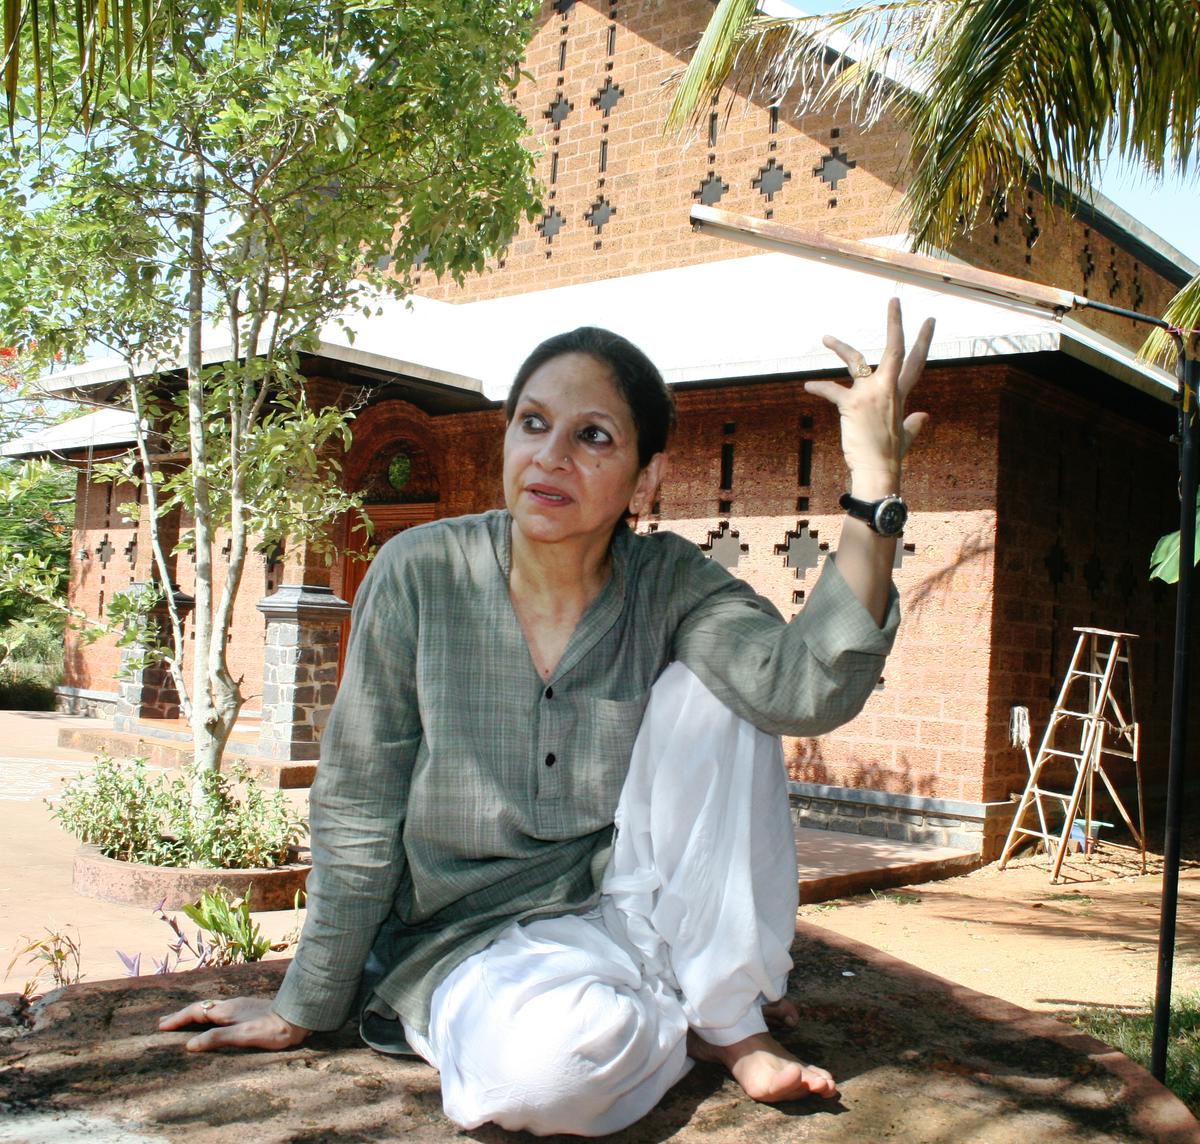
(205, 1006)
(861, 370)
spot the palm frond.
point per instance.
(1183, 312)
(710, 67)
(774, 58)
(1047, 87)
(996, 94)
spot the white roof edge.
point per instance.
(99, 429)
(344, 352)
(90, 375)
(1104, 206)
(948, 349)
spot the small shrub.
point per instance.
(31, 654)
(21, 694)
(57, 953)
(226, 934)
(135, 817)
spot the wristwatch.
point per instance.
(887, 516)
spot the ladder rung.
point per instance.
(1062, 754)
(1087, 674)
(1036, 833)
(1075, 714)
(1042, 792)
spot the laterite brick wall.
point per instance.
(618, 191)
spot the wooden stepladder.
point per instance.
(1092, 726)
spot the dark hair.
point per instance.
(636, 377)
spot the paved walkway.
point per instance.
(36, 859)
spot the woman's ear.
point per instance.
(648, 482)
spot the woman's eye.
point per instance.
(594, 435)
(532, 423)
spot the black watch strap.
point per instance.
(886, 516)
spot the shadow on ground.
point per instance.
(917, 1058)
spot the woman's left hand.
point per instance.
(876, 432)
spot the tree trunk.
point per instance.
(212, 720)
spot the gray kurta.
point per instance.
(458, 791)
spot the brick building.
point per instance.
(1036, 495)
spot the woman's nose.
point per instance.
(555, 452)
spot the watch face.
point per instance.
(890, 518)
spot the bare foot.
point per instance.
(765, 1069)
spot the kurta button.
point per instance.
(549, 692)
(550, 760)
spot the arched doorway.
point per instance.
(399, 487)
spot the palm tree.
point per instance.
(995, 94)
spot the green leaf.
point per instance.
(1164, 561)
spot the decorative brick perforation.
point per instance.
(834, 167)
(1087, 262)
(712, 190)
(1112, 276)
(724, 546)
(1094, 575)
(599, 213)
(552, 222)
(727, 466)
(607, 97)
(558, 111)
(1057, 564)
(1030, 229)
(801, 549)
(770, 179)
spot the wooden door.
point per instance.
(387, 520)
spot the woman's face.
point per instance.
(571, 454)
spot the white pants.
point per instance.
(579, 1023)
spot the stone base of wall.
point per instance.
(81, 701)
(979, 827)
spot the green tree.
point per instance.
(996, 94)
(36, 502)
(185, 181)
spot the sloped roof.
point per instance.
(98, 430)
(733, 321)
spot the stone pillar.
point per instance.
(300, 669)
(148, 691)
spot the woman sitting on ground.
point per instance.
(551, 843)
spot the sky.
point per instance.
(1170, 208)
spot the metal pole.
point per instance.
(1189, 379)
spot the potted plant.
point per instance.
(146, 840)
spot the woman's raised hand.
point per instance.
(876, 432)
(239, 1022)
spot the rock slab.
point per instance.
(917, 1059)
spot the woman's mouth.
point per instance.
(546, 495)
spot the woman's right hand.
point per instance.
(239, 1022)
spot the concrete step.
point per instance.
(836, 865)
(173, 752)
